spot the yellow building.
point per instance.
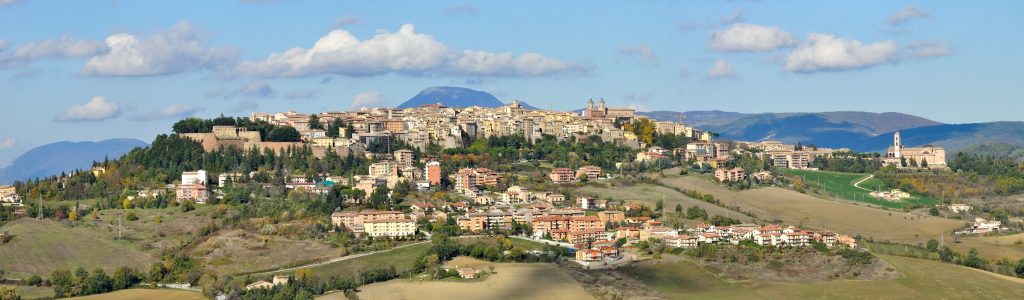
(390, 228)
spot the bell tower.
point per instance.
(896, 145)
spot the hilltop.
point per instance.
(455, 97)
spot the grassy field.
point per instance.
(649, 194)
(41, 246)
(237, 251)
(846, 218)
(996, 247)
(509, 281)
(32, 292)
(840, 185)
(174, 229)
(402, 258)
(922, 279)
(148, 294)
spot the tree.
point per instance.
(124, 278)
(314, 122)
(660, 205)
(946, 254)
(284, 134)
(679, 208)
(933, 245)
(933, 211)
(696, 212)
(1019, 270)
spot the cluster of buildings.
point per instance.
(891, 195)
(436, 124)
(983, 226)
(567, 175)
(9, 196)
(789, 156)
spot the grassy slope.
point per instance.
(148, 294)
(236, 251)
(923, 280)
(996, 247)
(510, 281)
(650, 194)
(846, 218)
(41, 246)
(402, 258)
(840, 185)
(32, 292)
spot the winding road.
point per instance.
(857, 184)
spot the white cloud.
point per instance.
(404, 52)
(906, 14)
(721, 69)
(642, 53)
(927, 49)
(65, 47)
(483, 63)
(97, 109)
(252, 89)
(7, 143)
(736, 16)
(751, 37)
(8, 2)
(369, 100)
(460, 10)
(177, 111)
(175, 51)
(823, 52)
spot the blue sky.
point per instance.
(92, 70)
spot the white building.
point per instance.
(197, 177)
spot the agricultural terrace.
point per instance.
(841, 185)
(787, 206)
(148, 294)
(509, 281)
(923, 279)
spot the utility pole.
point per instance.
(39, 213)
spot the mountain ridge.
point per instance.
(54, 158)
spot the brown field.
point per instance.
(160, 294)
(238, 251)
(795, 208)
(995, 247)
(650, 194)
(923, 279)
(509, 281)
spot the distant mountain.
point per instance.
(699, 118)
(859, 131)
(452, 97)
(52, 159)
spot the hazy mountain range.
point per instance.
(52, 159)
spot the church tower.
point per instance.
(590, 104)
(601, 106)
(896, 145)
